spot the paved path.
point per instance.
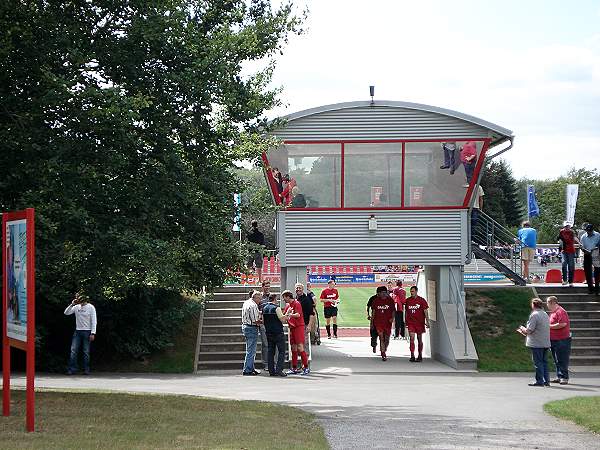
(362, 404)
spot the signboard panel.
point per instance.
(16, 274)
(342, 279)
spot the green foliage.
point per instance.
(551, 196)
(503, 197)
(494, 315)
(120, 122)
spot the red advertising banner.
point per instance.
(18, 302)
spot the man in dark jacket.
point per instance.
(257, 240)
(273, 318)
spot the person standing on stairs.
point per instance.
(590, 243)
(527, 237)
(567, 241)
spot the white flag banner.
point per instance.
(572, 194)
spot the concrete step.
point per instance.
(578, 314)
(228, 365)
(578, 332)
(223, 312)
(580, 306)
(225, 320)
(584, 361)
(224, 304)
(225, 356)
(239, 346)
(585, 341)
(560, 290)
(585, 323)
(588, 350)
(224, 336)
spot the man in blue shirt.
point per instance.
(589, 245)
(528, 239)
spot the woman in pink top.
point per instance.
(560, 339)
(468, 156)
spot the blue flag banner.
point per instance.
(533, 210)
(237, 199)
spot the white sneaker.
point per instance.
(564, 283)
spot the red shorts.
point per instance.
(418, 328)
(297, 335)
(384, 329)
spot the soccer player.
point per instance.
(372, 329)
(383, 316)
(417, 319)
(293, 309)
(330, 299)
(399, 296)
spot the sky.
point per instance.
(530, 66)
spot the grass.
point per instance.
(494, 314)
(584, 411)
(352, 310)
(69, 420)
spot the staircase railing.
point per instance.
(458, 295)
(498, 241)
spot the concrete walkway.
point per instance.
(363, 403)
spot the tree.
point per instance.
(118, 123)
(551, 197)
(503, 198)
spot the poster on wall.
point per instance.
(416, 196)
(16, 275)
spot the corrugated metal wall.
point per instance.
(342, 237)
(379, 122)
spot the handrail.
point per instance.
(460, 306)
(489, 233)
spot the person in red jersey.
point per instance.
(417, 319)
(293, 309)
(330, 299)
(399, 296)
(383, 316)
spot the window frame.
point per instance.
(465, 205)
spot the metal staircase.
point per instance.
(497, 246)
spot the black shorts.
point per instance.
(255, 260)
(330, 311)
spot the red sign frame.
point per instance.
(29, 346)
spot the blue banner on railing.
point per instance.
(483, 277)
(342, 279)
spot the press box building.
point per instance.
(377, 190)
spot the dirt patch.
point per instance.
(485, 319)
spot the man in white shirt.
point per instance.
(251, 320)
(85, 331)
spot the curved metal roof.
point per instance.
(505, 132)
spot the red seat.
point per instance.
(579, 276)
(553, 276)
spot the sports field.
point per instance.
(352, 308)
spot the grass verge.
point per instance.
(584, 411)
(493, 315)
(134, 421)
